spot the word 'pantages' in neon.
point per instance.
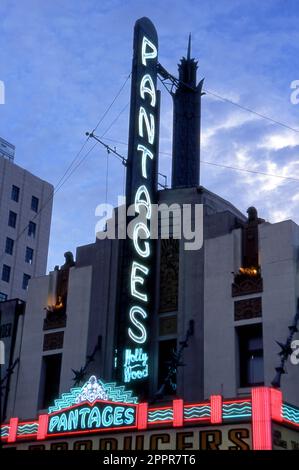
(188, 224)
(92, 418)
(136, 361)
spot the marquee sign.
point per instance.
(227, 437)
(94, 407)
(285, 438)
(88, 417)
(98, 415)
(138, 270)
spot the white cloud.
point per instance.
(279, 140)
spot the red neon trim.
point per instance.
(190, 405)
(105, 402)
(25, 436)
(216, 409)
(230, 402)
(42, 427)
(142, 415)
(13, 429)
(276, 405)
(198, 419)
(261, 418)
(178, 413)
(89, 431)
(160, 408)
(166, 421)
(287, 421)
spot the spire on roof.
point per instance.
(189, 48)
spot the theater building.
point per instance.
(192, 363)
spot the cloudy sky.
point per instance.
(63, 61)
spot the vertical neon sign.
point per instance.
(136, 301)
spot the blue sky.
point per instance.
(63, 61)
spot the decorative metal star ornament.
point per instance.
(286, 350)
(79, 376)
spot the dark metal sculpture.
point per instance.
(248, 279)
(4, 388)
(80, 374)
(174, 363)
(286, 350)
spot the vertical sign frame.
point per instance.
(136, 292)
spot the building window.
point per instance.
(34, 203)
(168, 325)
(12, 219)
(50, 379)
(26, 279)
(29, 255)
(166, 349)
(3, 297)
(5, 273)
(15, 193)
(9, 246)
(31, 229)
(251, 355)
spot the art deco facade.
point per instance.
(217, 314)
(237, 315)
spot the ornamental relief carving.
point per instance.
(169, 275)
(249, 308)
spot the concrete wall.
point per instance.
(219, 341)
(279, 245)
(195, 298)
(25, 398)
(75, 347)
(103, 257)
(279, 266)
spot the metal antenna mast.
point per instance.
(108, 148)
(121, 157)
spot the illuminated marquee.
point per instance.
(136, 295)
(99, 409)
(94, 407)
(99, 415)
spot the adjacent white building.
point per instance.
(24, 227)
(7, 150)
